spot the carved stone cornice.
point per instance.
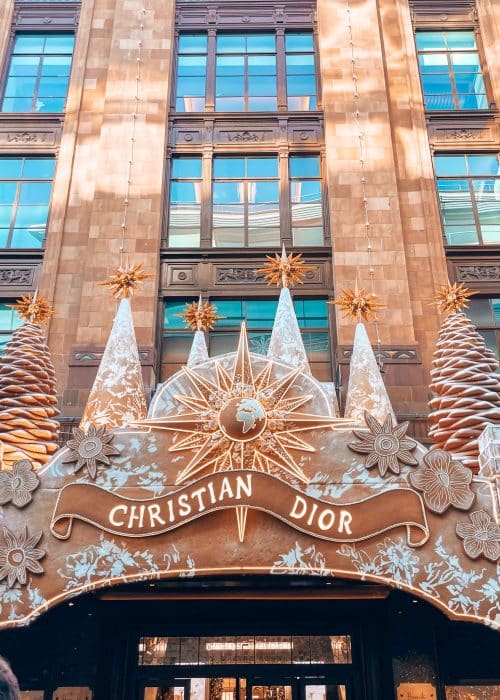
(389, 354)
(35, 132)
(195, 14)
(17, 277)
(50, 15)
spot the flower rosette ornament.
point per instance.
(444, 482)
(481, 537)
(89, 449)
(16, 486)
(385, 444)
(19, 555)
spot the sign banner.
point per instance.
(328, 520)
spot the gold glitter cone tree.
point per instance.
(464, 381)
(28, 389)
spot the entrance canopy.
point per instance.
(243, 467)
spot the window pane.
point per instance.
(262, 104)
(450, 165)
(231, 43)
(261, 43)
(9, 319)
(191, 86)
(24, 65)
(483, 165)
(7, 193)
(191, 65)
(228, 237)
(229, 87)
(460, 40)
(186, 167)
(56, 66)
(230, 65)
(480, 312)
(31, 237)
(305, 191)
(29, 43)
(304, 166)
(430, 41)
(436, 84)
(263, 215)
(262, 167)
(263, 192)
(52, 87)
(229, 104)
(307, 236)
(185, 192)
(228, 192)
(39, 168)
(20, 87)
(261, 85)
(229, 167)
(231, 309)
(300, 63)
(299, 42)
(261, 65)
(59, 43)
(5, 215)
(10, 167)
(35, 192)
(193, 43)
(301, 85)
(433, 63)
(265, 237)
(461, 235)
(31, 216)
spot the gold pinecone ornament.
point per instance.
(28, 398)
(466, 386)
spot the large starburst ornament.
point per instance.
(241, 421)
(125, 280)
(200, 316)
(33, 308)
(452, 298)
(358, 304)
(284, 270)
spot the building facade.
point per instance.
(197, 138)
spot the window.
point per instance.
(38, 75)
(469, 197)
(245, 202)
(191, 73)
(25, 188)
(243, 208)
(185, 203)
(245, 73)
(450, 70)
(300, 71)
(306, 203)
(312, 316)
(9, 321)
(250, 72)
(485, 315)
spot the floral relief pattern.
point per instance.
(385, 444)
(444, 482)
(481, 537)
(301, 560)
(89, 449)
(18, 555)
(16, 486)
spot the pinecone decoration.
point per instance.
(27, 398)
(466, 386)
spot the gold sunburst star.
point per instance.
(359, 304)
(240, 421)
(452, 298)
(33, 308)
(125, 280)
(284, 270)
(200, 316)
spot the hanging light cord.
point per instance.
(360, 134)
(132, 137)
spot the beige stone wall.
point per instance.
(83, 242)
(6, 12)
(408, 257)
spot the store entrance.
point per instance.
(246, 687)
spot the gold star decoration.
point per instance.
(33, 308)
(200, 316)
(125, 280)
(284, 270)
(242, 421)
(358, 304)
(452, 298)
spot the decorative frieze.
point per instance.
(478, 273)
(387, 354)
(19, 276)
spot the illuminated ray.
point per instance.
(242, 373)
(293, 442)
(290, 405)
(262, 379)
(192, 441)
(192, 402)
(260, 462)
(225, 462)
(203, 386)
(185, 423)
(223, 378)
(205, 456)
(280, 387)
(241, 519)
(279, 456)
(305, 421)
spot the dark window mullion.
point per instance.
(210, 71)
(246, 186)
(14, 212)
(281, 92)
(470, 182)
(245, 83)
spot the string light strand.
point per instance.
(360, 135)
(135, 114)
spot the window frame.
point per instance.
(8, 332)
(455, 94)
(480, 244)
(284, 202)
(19, 182)
(235, 295)
(42, 29)
(491, 327)
(281, 72)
